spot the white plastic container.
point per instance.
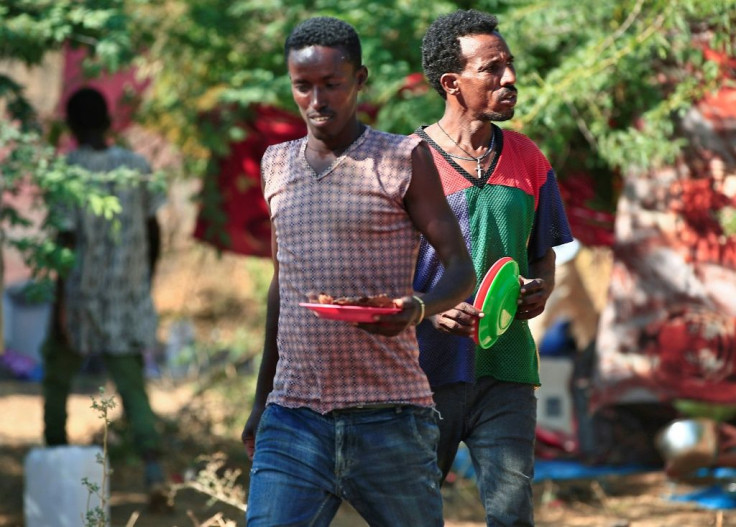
(554, 398)
(54, 495)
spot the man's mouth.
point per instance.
(508, 95)
(320, 118)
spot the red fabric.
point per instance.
(720, 107)
(591, 227)
(122, 89)
(668, 331)
(247, 224)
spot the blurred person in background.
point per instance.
(104, 305)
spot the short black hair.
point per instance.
(441, 46)
(86, 109)
(329, 32)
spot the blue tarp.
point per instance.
(556, 469)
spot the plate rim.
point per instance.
(346, 307)
(488, 280)
(503, 262)
(328, 311)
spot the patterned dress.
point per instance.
(107, 294)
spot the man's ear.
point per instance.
(361, 76)
(448, 81)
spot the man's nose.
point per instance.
(509, 75)
(318, 98)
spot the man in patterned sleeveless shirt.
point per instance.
(343, 411)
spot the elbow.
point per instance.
(472, 281)
(460, 276)
(469, 278)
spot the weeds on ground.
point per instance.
(217, 481)
(97, 516)
(213, 478)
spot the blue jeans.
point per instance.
(382, 461)
(497, 421)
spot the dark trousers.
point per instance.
(62, 364)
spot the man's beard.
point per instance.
(498, 116)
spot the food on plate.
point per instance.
(381, 300)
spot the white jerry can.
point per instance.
(54, 494)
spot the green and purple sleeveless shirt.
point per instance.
(513, 210)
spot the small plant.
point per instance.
(217, 482)
(97, 516)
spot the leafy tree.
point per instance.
(222, 56)
(601, 83)
(607, 82)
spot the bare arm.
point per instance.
(68, 240)
(429, 211)
(433, 217)
(269, 359)
(536, 290)
(153, 229)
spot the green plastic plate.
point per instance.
(497, 297)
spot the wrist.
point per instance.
(422, 309)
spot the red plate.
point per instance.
(349, 313)
(485, 284)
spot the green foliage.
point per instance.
(97, 516)
(600, 85)
(11, 94)
(212, 59)
(30, 163)
(30, 28)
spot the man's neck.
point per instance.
(337, 145)
(468, 142)
(94, 141)
(471, 134)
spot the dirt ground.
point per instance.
(625, 501)
(219, 298)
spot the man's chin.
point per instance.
(319, 132)
(500, 116)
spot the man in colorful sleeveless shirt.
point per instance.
(344, 411)
(505, 196)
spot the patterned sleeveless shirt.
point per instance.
(344, 232)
